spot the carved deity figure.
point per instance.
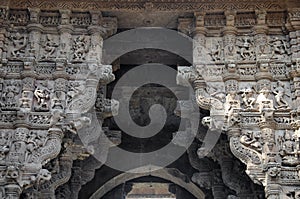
(58, 100)
(34, 141)
(246, 50)
(17, 153)
(265, 104)
(19, 44)
(25, 100)
(75, 89)
(261, 45)
(216, 52)
(288, 149)
(279, 92)
(50, 47)
(42, 95)
(231, 104)
(247, 95)
(229, 46)
(279, 48)
(270, 152)
(9, 95)
(80, 48)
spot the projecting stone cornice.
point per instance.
(156, 5)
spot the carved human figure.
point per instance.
(58, 100)
(246, 50)
(9, 95)
(265, 104)
(25, 99)
(75, 89)
(216, 52)
(270, 152)
(261, 45)
(50, 46)
(4, 146)
(80, 48)
(17, 152)
(2, 192)
(279, 48)
(229, 45)
(42, 94)
(279, 91)
(231, 103)
(248, 98)
(19, 44)
(4, 138)
(288, 149)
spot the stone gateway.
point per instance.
(238, 70)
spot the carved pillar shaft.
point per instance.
(261, 40)
(35, 30)
(294, 27)
(96, 32)
(26, 99)
(199, 50)
(65, 30)
(3, 17)
(229, 38)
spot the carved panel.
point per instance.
(49, 18)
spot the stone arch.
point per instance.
(165, 173)
(146, 38)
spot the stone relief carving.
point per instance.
(50, 47)
(44, 105)
(42, 94)
(257, 103)
(41, 102)
(246, 48)
(80, 48)
(216, 52)
(279, 48)
(19, 43)
(10, 93)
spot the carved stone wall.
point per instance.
(245, 72)
(50, 73)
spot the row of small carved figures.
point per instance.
(41, 97)
(286, 144)
(253, 100)
(50, 44)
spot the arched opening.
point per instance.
(160, 178)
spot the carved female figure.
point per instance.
(279, 92)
